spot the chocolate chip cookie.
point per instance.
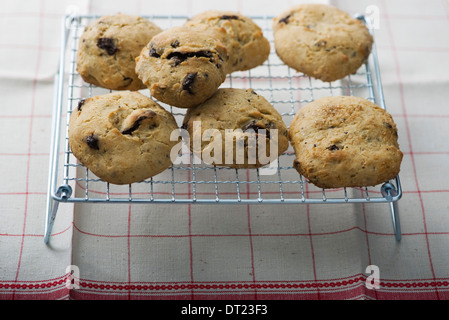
(247, 47)
(182, 67)
(321, 41)
(236, 128)
(122, 137)
(107, 50)
(345, 142)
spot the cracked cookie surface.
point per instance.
(182, 67)
(321, 41)
(246, 115)
(247, 47)
(345, 142)
(122, 137)
(107, 50)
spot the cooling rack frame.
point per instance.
(61, 187)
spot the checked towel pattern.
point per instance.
(165, 251)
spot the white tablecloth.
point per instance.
(129, 251)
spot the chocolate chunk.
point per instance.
(137, 123)
(175, 44)
(135, 126)
(367, 50)
(81, 103)
(229, 17)
(176, 58)
(255, 127)
(386, 124)
(285, 19)
(153, 53)
(296, 164)
(188, 82)
(179, 57)
(127, 81)
(107, 44)
(252, 126)
(92, 142)
(333, 148)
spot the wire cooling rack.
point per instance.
(285, 89)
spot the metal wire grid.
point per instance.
(285, 89)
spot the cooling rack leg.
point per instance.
(389, 191)
(63, 192)
(395, 218)
(51, 216)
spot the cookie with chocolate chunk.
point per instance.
(321, 41)
(345, 142)
(182, 67)
(247, 47)
(107, 50)
(236, 128)
(122, 137)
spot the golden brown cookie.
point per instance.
(247, 47)
(236, 115)
(321, 41)
(182, 67)
(122, 137)
(345, 142)
(107, 49)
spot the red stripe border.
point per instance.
(346, 288)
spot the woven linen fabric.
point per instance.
(215, 251)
